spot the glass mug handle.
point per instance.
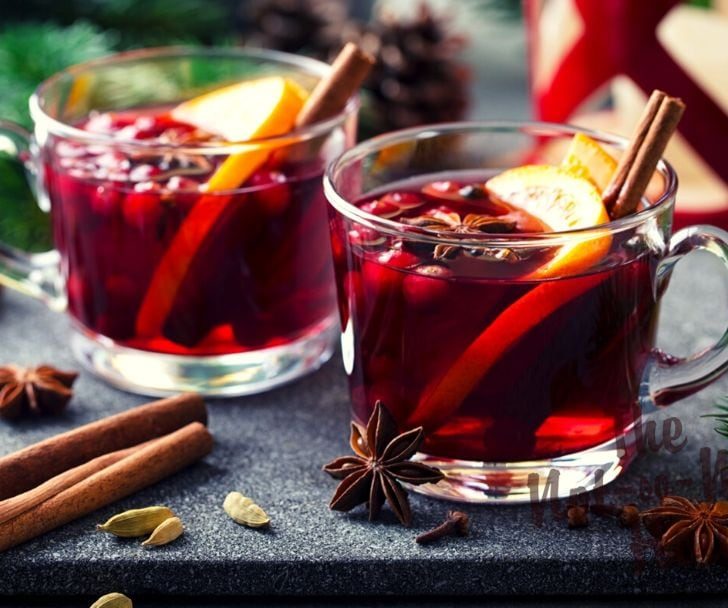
(669, 378)
(34, 274)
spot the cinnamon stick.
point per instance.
(31, 466)
(348, 71)
(12, 507)
(639, 161)
(611, 192)
(135, 472)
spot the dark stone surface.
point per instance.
(271, 447)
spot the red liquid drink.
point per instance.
(261, 276)
(497, 366)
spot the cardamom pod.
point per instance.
(113, 600)
(136, 522)
(166, 532)
(244, 511)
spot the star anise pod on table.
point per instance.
(696, 531)
(381, 462)
(443, 222)
(34, 390)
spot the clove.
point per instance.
(576, 517)
(456, 524)
(627, 515)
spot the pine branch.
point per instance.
(22, 223)
(135, 22)
(721, 416)
(31, 52)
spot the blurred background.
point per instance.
(582, 61)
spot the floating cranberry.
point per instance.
(148, 187)
(121, 289)
(403, 200)
(272, 190)
(105, 200)
(69, 149)
(128, 132)
(447, 190)
(427, 286)
(179, 183)
(145, 172)
(148, 127)
(180, 194)
(381, 208)
(108, 122)
(474, 194)
(142, 210)
(397, 258)
(111, 160)
(384, 274)
(362, 236)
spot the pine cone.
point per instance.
(310, 27)
(418, 78)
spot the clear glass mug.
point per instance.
(516, 381)
(170, 288)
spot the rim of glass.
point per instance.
(308, 65)
(395, 228)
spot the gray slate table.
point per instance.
(272, 447)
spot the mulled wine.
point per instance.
(498, 359)
(156, 260)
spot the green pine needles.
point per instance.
(721, 416)
(31, 52)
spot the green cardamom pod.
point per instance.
(113, 600)
(166, 532)
(137, 522)
(244, 511)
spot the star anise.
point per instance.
(689, 529)
(380, 463)
(446, 223)
(34, 390)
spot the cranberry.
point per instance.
(142, 210)
(403, 200)
(108, 122)
(105, 200)
(381, 275)
(427, 286)
(148, 126)
(397, 258)
(179, 183)
(128, 132)
(272, 190)
(142, 173)
(474, 194)
(148, 187)
(111, 160)
(70, 149)
(81, 169)
(442, 189)
(365, 237)
(381, 208)
(121, 289)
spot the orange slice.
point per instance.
(585, 158)
(564, 202)
(246, 111)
